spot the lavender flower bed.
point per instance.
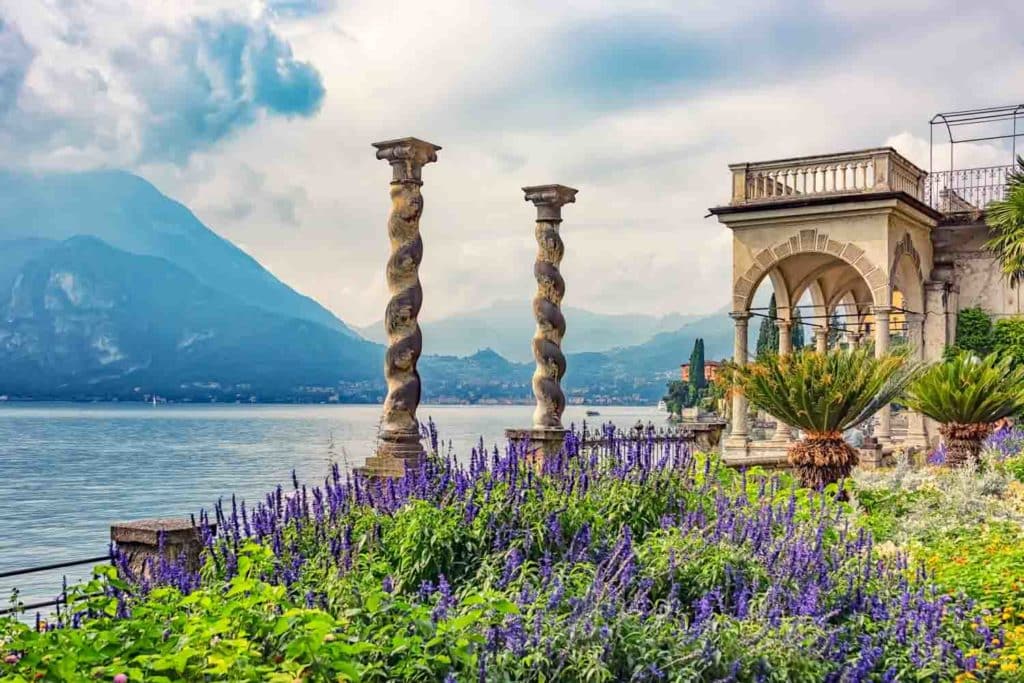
(628, 561)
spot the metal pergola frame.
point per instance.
(1009, 114)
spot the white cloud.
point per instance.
(493, 84)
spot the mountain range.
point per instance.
(506, 327)
(111, 290)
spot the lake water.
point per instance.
(70, 470)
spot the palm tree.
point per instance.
(1005, 220)
(967, 394)
(823, 394)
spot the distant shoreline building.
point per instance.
(711, 368)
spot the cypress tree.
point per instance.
(834, 331)
(797, 330)
(768, 333)
(697, 365)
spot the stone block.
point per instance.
(147, 541)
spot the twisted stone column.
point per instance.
(547, 431)
(399, 439)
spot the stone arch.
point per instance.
(906, 276)
(809, 241)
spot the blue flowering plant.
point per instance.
(624, 558)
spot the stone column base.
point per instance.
(745, 453)
(146, 541)
(396, 453)
(542, 443)
(873, 454)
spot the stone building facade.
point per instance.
(871, 241)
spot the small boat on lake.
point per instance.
(592, 413)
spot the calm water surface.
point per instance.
(70, 470)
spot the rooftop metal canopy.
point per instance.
(978, 125)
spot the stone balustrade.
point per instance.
(871, 170)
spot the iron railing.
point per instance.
(966, 189)
(62, 598)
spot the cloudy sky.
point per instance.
(259, 116)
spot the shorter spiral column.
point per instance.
(399, 444)
(547, 435)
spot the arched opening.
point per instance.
(809, 298)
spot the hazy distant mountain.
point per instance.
(507, 327)
(110, 290)
(83, 319)
(130, 214)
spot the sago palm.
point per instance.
(966, 394)
(1005, 220)
(823, 394)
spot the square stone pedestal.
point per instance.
(395, 455)
(147, 541)
(541, 443)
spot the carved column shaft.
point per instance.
(739, 430)
(547, 304)
(783, 432)
(882, 337)
(821, 339)
(399, 430)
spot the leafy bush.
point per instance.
(630, 561)
(973, 332)
(1008, 339)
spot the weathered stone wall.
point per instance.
(960, 258)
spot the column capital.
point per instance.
(783, 324)
(407, 157)
(739, 316)
(881, 310)
(549, 199)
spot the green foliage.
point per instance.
(1008, 339)
(967, 390)
(973, 332)
(824, 393)
(985, 563)
(680, 395)
(1005, 220)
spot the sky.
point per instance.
(260, 116)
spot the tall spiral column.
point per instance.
(399, 442)
(548, 434)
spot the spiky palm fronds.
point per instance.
(967, 394)
(824, 393)
(1005, 220)
(966, 389)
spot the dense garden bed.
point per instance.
(635, 561)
